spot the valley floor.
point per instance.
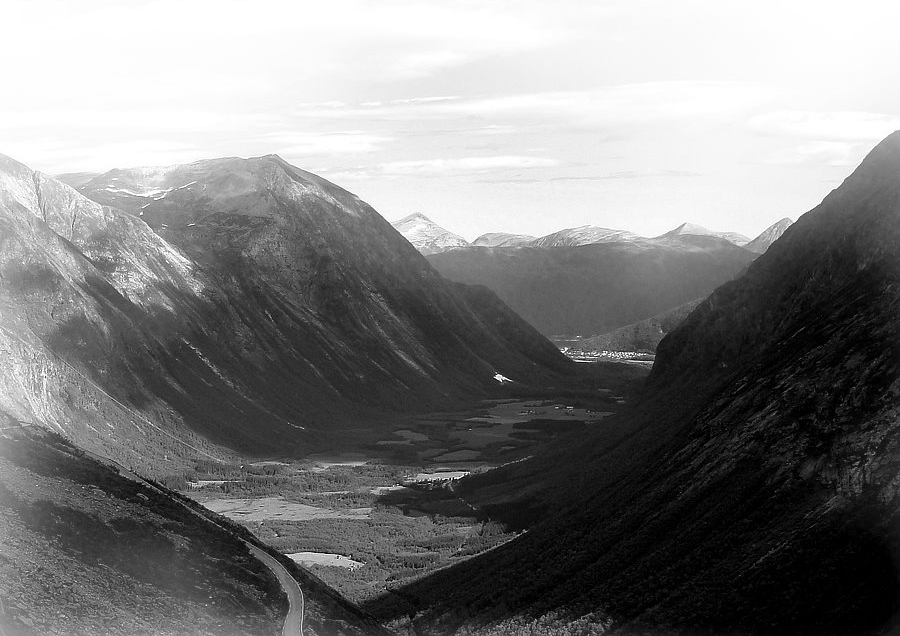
(371, 521)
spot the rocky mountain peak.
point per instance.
(768, 236)
(416, 217)
(689, 228)
(204, 192)
(584, 235)
(502, 239)
(427, 236)
(693, 229)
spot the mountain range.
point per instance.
(584, 235)
(238, 308)
(430, 238)
(591, 280)
(755, 489)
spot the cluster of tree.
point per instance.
(550, 624)
(294, 481)
(396, 549)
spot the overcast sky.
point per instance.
(500, 115)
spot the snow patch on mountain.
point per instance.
(584, 235)
(502, 239)
(427, 236)
(699, 230)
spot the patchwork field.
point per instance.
(496, 434)
(325, 558)
(276, 508)
(374, 519)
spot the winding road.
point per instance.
(293, 622)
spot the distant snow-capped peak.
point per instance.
(427, 236)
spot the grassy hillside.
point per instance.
(84, 549)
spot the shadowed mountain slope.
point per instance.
(593, 289)
(756, 488)
(643, 336)
(260, 310)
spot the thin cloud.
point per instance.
(446, 167)
(331, 143)
(141, 119)
(605, 108)
(626, 174)
(651, 99)
(854, 126)
(426, 100)
(54, 156)
(426, 63)
(465, 165)
(822, 153)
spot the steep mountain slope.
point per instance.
(768, 236)
(644, 335)
(427, 236)
(593, 289)
(87, 299)
(85, 549)
(698, 230)
(268, 309)
(502, 239)
(756, 489)
(583, 235)
(270, 223)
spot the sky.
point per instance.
(485, 115)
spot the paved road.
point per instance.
(293, 622)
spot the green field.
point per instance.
(374, 519)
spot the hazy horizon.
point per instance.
(523, 117)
